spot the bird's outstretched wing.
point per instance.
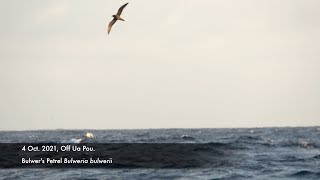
(121, 9)
(111, 24)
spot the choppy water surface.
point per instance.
(259, 153)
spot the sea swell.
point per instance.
(263, 153)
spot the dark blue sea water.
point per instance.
(256, 153)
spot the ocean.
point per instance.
(251, 153)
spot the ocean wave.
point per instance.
(248, 138)
(266, 153)
(187, 137)
(306, 174)
(298, 143)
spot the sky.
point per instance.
(171, 64)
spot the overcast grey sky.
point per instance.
(171, 64)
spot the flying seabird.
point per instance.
(116, 17)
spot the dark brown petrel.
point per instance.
(116, 17)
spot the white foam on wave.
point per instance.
(89, 135)
(75, 140)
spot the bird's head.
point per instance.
(113, 16)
